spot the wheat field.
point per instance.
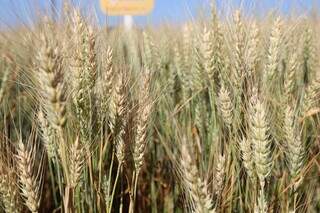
(214, 115)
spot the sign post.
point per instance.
(127, 8)
(128, 22)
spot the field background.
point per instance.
(205, 107)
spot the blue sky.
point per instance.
(168, 11)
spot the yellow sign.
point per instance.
(127, 7)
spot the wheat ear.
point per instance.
(4, 83)
(311, 97)
(273, 51)
(225, 105)
(289, 80)
(247, 156)
(259, 135)
(252, 54)
(119, 116)
(207, 52)
(76, 162)
(48, 135)
(51, 83)
(220, 174)
(148, 50)
(295, 148)
(217, 46)
(9, 193)
(194, 185)
(30, 177)
(261, 206)
(107, 84)
(9, 190)
(187, 45)
(144, 112)
(84, 66)
(239, 41)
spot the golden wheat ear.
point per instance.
(9, 190)
(47, 134)
(51, 82)
(295, 149)
(30, 165)
(119, 116)
(5, 78)
(247, 156)
(106, 85)
(273, 52)
(76, 162)
(225, 105)
(261, 206)
(239, 53)
(195, 186)
(259, 133)
(144, 112)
